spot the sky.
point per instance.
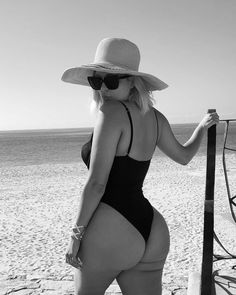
(188, 44)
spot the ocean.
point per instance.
(33, 147)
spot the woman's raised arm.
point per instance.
(168, 144)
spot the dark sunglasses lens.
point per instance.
(95, 82)
(111, 82)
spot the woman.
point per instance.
(118, 234)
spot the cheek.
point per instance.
(125, 87)
(122, 91)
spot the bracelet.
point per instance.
(78, 232)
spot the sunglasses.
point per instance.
(111, 81)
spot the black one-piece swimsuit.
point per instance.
(124, 187)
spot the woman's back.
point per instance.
(144, 129)
(138, 136)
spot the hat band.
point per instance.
(108, 66)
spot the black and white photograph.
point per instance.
(117, 147)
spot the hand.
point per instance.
(72, 252)
(209, 120)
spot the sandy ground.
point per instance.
(38, 207)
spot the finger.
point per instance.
(77, 259)
(75, 264)
(214, 117)
(73, 260)
(69, 258)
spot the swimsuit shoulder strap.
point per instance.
(131, 125)
(158, 133)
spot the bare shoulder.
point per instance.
(107, 132)
(160, 117)
(110, 105)
(112, 112)
(111, 108)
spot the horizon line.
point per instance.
(70, 128)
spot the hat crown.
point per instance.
(119, 52)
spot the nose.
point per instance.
(103, 87)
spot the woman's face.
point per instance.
(121, 93)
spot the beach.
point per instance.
(38, 206)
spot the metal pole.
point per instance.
(208, 233)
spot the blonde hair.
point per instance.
(139, 94)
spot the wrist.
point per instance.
(202, 127)
(78, 232)
(79, 227)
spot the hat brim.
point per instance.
(79, 75)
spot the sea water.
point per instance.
(33, 147)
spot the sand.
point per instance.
(38, 206)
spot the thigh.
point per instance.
(109, 245)
(140, 282)
(146, 276)
(93, 282)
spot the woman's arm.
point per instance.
(183, 154)
(106, 135)
(90, 198)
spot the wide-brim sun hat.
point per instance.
(113, 56)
